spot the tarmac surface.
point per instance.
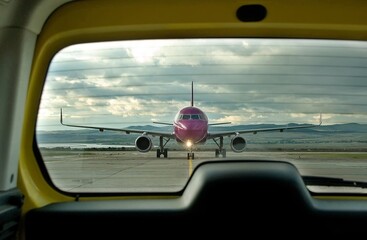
(135, 172)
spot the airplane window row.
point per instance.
(108, 111)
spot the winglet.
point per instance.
(61, 116)
(320, 119)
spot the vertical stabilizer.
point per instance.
(192, 94)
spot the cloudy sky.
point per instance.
(244, 81)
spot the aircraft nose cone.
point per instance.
(193, 131)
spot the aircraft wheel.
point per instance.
(158, 153)
(216, 153)
(224, 153)
(190, 155)
(165, 153)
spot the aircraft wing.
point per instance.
(254, 131)
(126, 130)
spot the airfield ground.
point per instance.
(131, 171)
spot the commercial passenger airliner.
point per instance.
(190, 128)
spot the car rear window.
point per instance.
(106, 120)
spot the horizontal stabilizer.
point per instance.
(164, 123)
(213, 124)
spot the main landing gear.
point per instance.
(161, 149)
(220, 151)
(164, 152)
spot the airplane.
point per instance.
(190, 128)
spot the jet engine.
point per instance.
(238, 144)
(143, 143)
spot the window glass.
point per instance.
(105, 121)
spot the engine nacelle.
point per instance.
(143, 143)
(238, 144)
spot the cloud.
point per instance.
(232, 119)
(237, 80)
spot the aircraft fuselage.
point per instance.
(190, 126)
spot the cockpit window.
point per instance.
(190, 116)
(106, 117)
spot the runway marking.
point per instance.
(190, 166)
